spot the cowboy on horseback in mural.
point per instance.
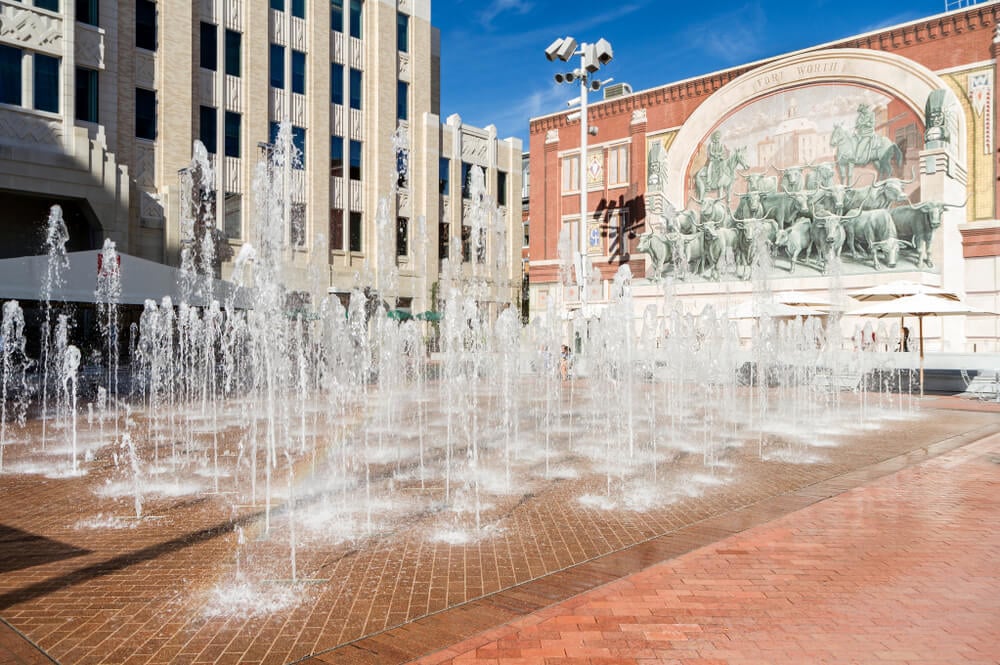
(719, 174)
(864, 130)
(864, 147)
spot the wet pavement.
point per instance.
(887, 533)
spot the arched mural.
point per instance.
(805, 168)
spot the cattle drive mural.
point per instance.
(800, 178)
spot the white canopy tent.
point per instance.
(21, 279)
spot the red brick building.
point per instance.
(914, 102)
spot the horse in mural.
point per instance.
(724, 176)
(853, 151)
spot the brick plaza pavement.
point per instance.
(139, 595)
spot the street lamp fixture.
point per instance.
(592, 58)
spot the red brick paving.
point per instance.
(901, 570)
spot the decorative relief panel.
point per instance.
(25, 128)
(145, 69)
(299, 34)
(552, 136)
(234, 94)
(357, 53)
(638, 115)
(337, 46)
(277, 103)
(355, 203)
(206, 88)
(403, 204)
(337, 193)
(337, 119)
(233, 181)
(278, 35)
(39, 32)
(298, 185)
(89, 46)
(405, 6)
(298, 114)
(404, 66)
(357, 125)
(145, 165)
(150, 210)
(208, 10)
(234, 16)
(475, 149)
(445, 209)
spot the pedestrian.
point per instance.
(565, 362)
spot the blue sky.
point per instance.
(494, 71)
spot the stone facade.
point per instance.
(909, 107)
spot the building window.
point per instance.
(402, 236)
(501, 188)
(336, 83)
(402, 100)
(209, 46)
(337, 229)
(51, 5)
(443, 241)
(46, 83)
(356, 18)
(524, 242)
(466, 243)
(299, 8)
(571, 174)
(466, 180)
(277, 66)
(336, 156)
(234, 127)
(402, 32)
(234, 53)
(208, 128)
(354, 232)
(299, 142)
(355, 88)
(278, 5)
(298, 72)
(234, 216)
(87, 94)
(402, 167)
(10, 75)
(145, 24)
(87, 11)
(618, 165)
(297, 225)
(355, 157)
(145, 114)
(337, 15)
(444, 168)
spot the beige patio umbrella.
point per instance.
(900, 289)
(921, 305)
(753, 309)
(803, 299)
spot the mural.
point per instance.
(802, 176)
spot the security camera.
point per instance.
(592, 130)
(595, 85)
(552, 52)
(604, 51)
(560, 78)
(566, 50)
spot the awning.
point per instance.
(141, 280)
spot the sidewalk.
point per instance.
(902, 569)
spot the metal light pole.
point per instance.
(592, 57)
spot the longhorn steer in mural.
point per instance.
(917, 223)
(852, 150)
(759, 182)
(785, 207)
(754, 236)
(719, 175)
(795, 240)
(820, 175)
(877, 232)
(828, 236)
(792, 178)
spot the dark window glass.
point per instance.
(355, 88)
(87, 11)
(145, 114)
(298, 72)
(208, 125)
(145, 24)
(402, 236)
(355, 160)
(10, 75)
(234, 123)
(51, 5)
(356, 18)
(443, 241)
(466, 243)
(46, 83)
(299, 8)
(272, 133)
(402, 32)
(278, 4)
(444, 168)
(299, 142)
(355, 232)
(501, 188)
(234, 53)
(466, 180)
(234, 216)
(402, 100)
(209, 45)
(87, 94)
(277, 64)
(336, 83)
(336, 156)
(337, 15)
(402, 167)
(337, 229)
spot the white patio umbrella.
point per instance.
(803, 299)
(920, 305)
(900, 289)
(753, 309)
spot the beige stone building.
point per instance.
(100, 103)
